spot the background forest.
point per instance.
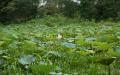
(20, 10)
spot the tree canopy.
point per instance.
(20, 10)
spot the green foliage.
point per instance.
(41, 69)
(100, 9)
(4, 3)
(70, 8)
(69, 45)
(26, 59)
(22, 10)
(48, 9)
(18, 10)
(85, 47)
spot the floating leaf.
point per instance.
(69, 45)
(2, 62)
(117, 49)
(26, 59)
(52, 73)
(43, 63)
(90, 39)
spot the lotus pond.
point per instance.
(60, 46)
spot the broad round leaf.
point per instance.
(26, 59)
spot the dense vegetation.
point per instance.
(20, 10)
(59, 37)
(17, 10)
(100, 9)
(60, 46)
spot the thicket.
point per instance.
(17, 10)
(100, 9)
(93, 9)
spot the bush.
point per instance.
(100, 9)
(48, 9)
(18, 10)
(70, 8)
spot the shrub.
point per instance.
(70, 8)
(18, 10)
(100, 9)
(48, 9)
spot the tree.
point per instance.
(18, 10)
(4, 3)
(69, 8)
(100, 9)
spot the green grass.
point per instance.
(32, 48)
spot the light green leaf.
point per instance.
(26, 59)
(69, 45)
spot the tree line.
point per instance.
(21, 10)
